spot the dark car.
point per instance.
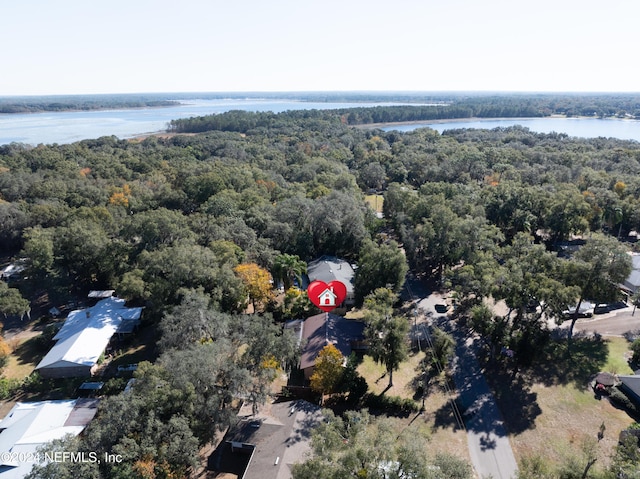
(441, 308)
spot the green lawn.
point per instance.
(616, 360)
(375, 201)
(551, 409)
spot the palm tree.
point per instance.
(287, 268)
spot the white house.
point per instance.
(29, 426)
(84, 337)
(328, 298)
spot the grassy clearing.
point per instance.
(378, 380)
(375, 201)
(568, 415)
(550, 409)
(617, 358)
(443, 438)
(26, 354)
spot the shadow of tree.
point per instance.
(31, 351)
(555, 366)
(448, 416)
(517, 403)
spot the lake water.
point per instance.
(67, 127)
(70, 126)
(580, 127)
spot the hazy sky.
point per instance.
(113, 46)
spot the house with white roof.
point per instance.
(632, 283)
(84, 336)
(29, 426)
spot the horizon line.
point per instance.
(327, 92)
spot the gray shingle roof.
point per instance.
(330, 268)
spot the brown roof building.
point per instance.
(315, 332)
(266, 445)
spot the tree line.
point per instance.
(437, 107)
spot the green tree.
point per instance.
(12, 302)
(192, 321)
(385, 333)
(132, 286)
(149, 424)
(625, 463)
(567, 213)
(379, 266)
(38, 249)
(530, 282)
(65, 469)
(359, 445)
(296, 304)
(169, 269)
(596, 270)
(269, 350)
(287, 268)
(441, 348)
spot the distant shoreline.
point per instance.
(368, 126)
(372, 126)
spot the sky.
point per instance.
(137, 46)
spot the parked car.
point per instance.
(441, 308)
(583, 312)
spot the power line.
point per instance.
(436, 361)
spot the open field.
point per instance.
(568, 415)
(550, 410)
(27, 351)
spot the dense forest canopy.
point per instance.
(177, 222)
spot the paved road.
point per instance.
(489, 447)
(615, 323)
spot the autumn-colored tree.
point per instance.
(328, 370)
(620, 188)
(257, 282)
(120, 196)
(145, 468)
